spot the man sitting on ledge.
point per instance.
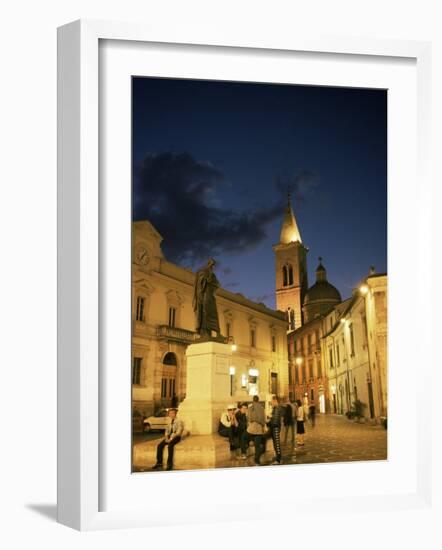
(172, 436)
(228, 426)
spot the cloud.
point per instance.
(263, 298)
(175, 193)
(300, 185)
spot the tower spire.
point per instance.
(289, 230)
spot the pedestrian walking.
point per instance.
(228, 426)
(300, 419)
(289, 423)
(172, 436)
(312, 414)
(241, 419)
(256, 427)
(275, 428)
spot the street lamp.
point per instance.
(363, 289)
(231, 341)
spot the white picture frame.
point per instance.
(80, 442)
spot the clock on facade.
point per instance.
(142, 256)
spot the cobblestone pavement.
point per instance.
(333, 439)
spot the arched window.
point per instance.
(290, 274)
(284, 276)
(170, 359)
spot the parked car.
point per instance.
(158, 421)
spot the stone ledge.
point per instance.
(193, 452)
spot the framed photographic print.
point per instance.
(227, 315)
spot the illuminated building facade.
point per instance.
(164, 325)
(337, 349)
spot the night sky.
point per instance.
(212, 162)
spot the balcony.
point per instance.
(176, 334)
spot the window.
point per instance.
(310, 369)
(364, 324)
(338, 357)
(170, 359)
(296, 375)
(330, 354)
(273, 343)
(228, 330)
(304, 377)
(253, 338)
(274, 383)
(312, 395)
(139, 314)
(287, 275)
(318, 367)
(164, 387)
(317, 339)
(309, 343)
(352, 340)
(172, 316)
(136, 371)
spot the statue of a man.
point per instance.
(204, 302)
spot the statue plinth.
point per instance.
(207, 386)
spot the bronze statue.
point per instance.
(204, 303)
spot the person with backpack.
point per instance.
(256, 428)
(289, 423)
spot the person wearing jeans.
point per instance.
(275, 428)
(172, 437)
(256, 428)
(228, 427)
(241, 419)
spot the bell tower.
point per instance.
(291, 269)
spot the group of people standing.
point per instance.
(249, 423)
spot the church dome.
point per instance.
(322, 291)
(321, 297)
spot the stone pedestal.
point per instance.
(207, 387)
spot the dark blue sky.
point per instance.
(212, 162)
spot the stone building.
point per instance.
(337, 349)
(164, 324)
(307, 374)
(354, 350)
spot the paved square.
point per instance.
(333, 439)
